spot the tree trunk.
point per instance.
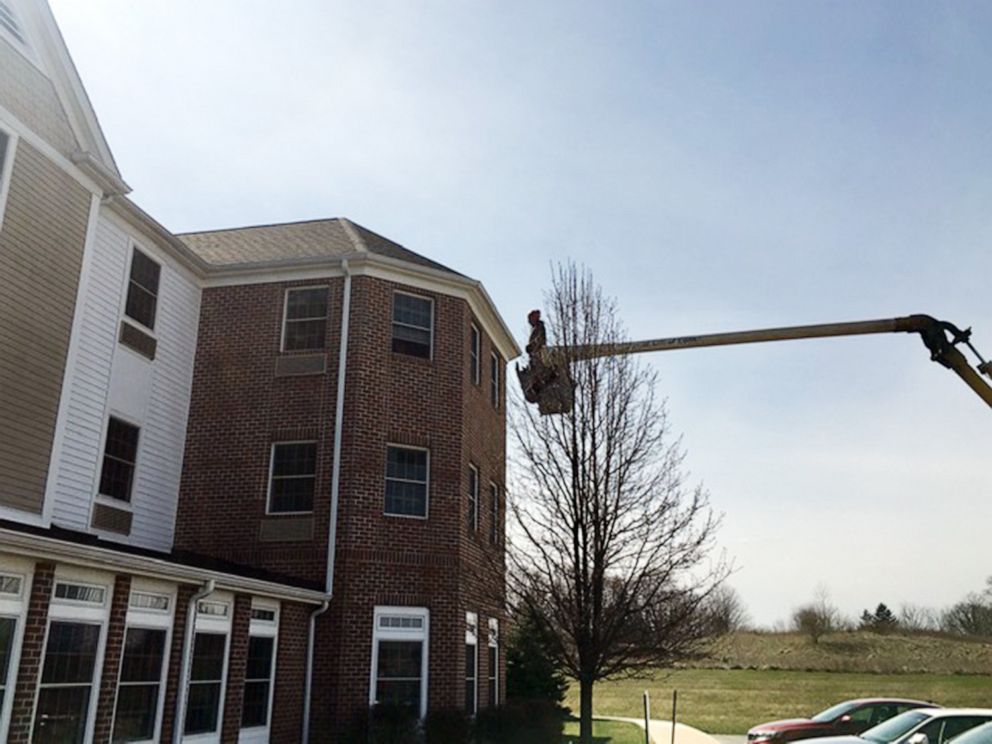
(585, 711)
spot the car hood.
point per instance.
(787, 724)
(837, 740)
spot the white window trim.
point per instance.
(472, 639)
(147, 618)
(60, 610)
(24, 46)
(266, 629)
(393, 321)
(285, 318)
(493, 674)
(221, 625)
(421, 634)
(8, 169)
(132, 246)
(475, 350)
(110, 500)
(427, 484)
(473, 496)
(15, 607)
(268, 486)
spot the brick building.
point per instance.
(251, 480)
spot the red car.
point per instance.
(849, 717)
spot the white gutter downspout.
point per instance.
(332, 526)
(184, 673)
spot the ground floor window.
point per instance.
(471, 662)
(206, 683)
(399, 658)
(493, 662)
(7, 627)
(258, 682)
(140, 684)
(66, 683)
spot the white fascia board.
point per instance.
(105, 559)
(132, 217)
(62, 72)
(380, 267)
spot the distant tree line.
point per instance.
(972, 616)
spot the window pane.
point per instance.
(61, 715)
(412, 323)
(259, 658)
(119, 455)
(295, 459)
(70, 653)
(493, 668)
(4, 139)
(208, 656)
(406, 499)
(306, 303)
(413, 311)
(137, 706)
(7, 626)
(202, 707)
(305, 334)
(140, 305)
(143, 653)
(291, 495)
(399, 659)
(473, 355)
(145, 272)
(470, 672)
(255, 709)
(408, 464)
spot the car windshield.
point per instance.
(833, 712)
(892, 729)
(980, 735)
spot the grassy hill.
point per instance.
(850, 651)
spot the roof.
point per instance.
(330, 238)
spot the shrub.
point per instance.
(531, 673)
(447, 726)
(520, 722)
(383, 724)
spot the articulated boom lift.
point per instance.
(547, 380)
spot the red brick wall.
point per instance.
(291, 656)
(32, 649)
(112, 659)
(239, 408)
(237, 661)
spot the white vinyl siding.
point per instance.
(99, 375)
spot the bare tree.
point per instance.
(817, 618)
(725, 611)
(917, 619)
(612, 544)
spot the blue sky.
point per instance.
(717, 166)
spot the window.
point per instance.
(494, 513)
(413, 324)
(473, 498)
(84, 593)
(471, 662)
(495, 365)
(66, 683)
(258, 682)
(406, 481)
(7, 627)
(120, 453)
(305, 324)
(206, 683)
(473, 355)
(399, 658)
(493, 662)
(140, 684)
(294, 475)
(142, 290)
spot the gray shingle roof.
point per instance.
(329, 238)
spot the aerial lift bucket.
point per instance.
(551, 387)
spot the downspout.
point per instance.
(184, 673)
(332, 526)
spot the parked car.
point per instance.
(849, 717)
(978, 735)
(917, 726)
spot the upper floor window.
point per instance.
(293, 476)
(305, 322)
(473, 355)
(473, 498)
(142, 290)
(494, 513)
(406, 481)
(495, 365)
(120, 453)
(413, 324)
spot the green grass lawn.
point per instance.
(731, 701)
(606, 732)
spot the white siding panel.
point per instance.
(76, 472)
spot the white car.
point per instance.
(917, 726)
